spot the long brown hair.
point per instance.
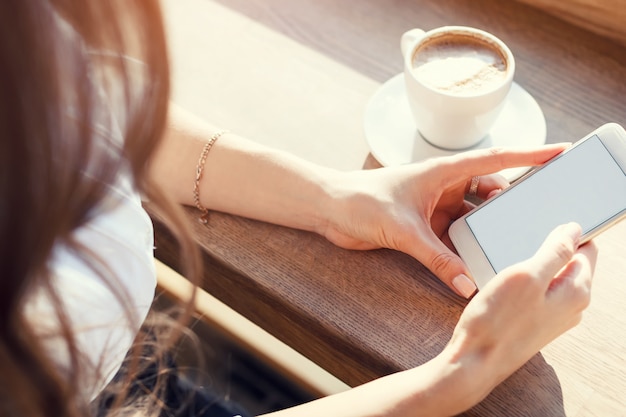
(51, 52)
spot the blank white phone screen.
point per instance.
(584, 185)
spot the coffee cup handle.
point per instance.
(409, 39)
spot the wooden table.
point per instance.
(297, 75)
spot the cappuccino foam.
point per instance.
(459, 64)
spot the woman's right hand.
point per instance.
(521, 310)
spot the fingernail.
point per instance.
(464, 285)
(493, 193)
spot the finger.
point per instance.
(555, 252)
(487, 161)
(487, 185)
(443, 262)
(590, 251)
(492, 194)
(573, 283)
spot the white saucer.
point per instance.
(393, 138)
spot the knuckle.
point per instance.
(497, 153)
(442, 263)
(563, 251)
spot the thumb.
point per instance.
(556, 251)
(444, 263)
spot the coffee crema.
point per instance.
(459, 64)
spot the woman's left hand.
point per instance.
(409, 208)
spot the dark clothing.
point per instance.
(193, 401)
(180, 397)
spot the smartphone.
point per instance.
(585, 184)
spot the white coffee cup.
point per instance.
(457, 80)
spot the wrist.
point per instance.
(326, 203)
(463, 378)
(475, 370)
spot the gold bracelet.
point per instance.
(204, 212)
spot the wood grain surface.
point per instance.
(605, 17)
(297, 75)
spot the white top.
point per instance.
(122, 236)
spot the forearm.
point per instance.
(444, 386)
(240, 176)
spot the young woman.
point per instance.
(86, 131)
